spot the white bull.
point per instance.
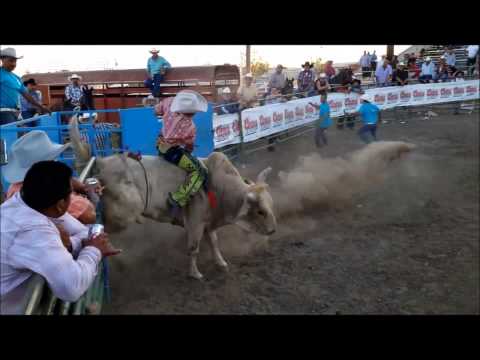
(133, 192)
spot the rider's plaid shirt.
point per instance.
(178, 129)
(73, 93)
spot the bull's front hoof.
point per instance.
(196, 275)
(223, 266)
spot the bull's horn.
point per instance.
(262, 177)
(81, 149)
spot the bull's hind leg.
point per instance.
(217, 255)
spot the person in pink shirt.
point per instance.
(176, 143)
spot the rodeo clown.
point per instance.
(176, 141)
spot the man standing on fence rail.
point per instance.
(39, 237)
(11, 87)
(156, 69)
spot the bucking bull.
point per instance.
(138, 189)
(135, 190)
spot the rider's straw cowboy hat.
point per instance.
(31, 148)
(74, 76)
(366, 97)
(9, 52)
(189, 102)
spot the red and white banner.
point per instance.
(269, 119)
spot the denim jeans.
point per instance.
(154, 85)
(367, 130)
(425, 78)
(320, 137)
(7, 117)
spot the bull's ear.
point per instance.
(262, 177)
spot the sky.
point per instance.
(45, 58)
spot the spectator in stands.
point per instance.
(277, 79)
(323, 123)
(383, 74)
(450, 58)
(73, 93)
(36, 146)
(411, 59)
(28, 110)
(365, 64)
(150, 101)
(306, 80)
(39, 237)
(421, 55)
(329, 70)
(321, 84)
(400, 75)
(394, 62)
(227, 104)
(428, 71)
(355, 87)
(373, 61)
(157, 67)
(472, 51)
(442, 71)
(413, 69)
(459, 76)
(11, 87)
(369, 113)
(247, 93)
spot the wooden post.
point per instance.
(247, 62)
(390, 52)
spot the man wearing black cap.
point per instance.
(28, 110)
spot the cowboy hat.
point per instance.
(226, 90)
(154, 51)
(428, 58)
(249, 75)
(366, 97)
(9, 52)
(74, 76)
(189, 102)
(31, 148)
(307, 64)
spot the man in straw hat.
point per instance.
(369, 113)
(247, 93)
(73, 92)
(176, 144)
(11, 87)
(306, 80)
(227, 104)
(156, 69)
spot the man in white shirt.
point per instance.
(472, 51)
(365, 64)
(428, 71)
(38, 235)
(450, 58)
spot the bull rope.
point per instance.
(138, 158)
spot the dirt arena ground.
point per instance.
(407, 246)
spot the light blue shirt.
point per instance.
(428, 69)
(155, 65)
(26, 105)
(325, 113)
(369, 113)
(382, 74)
(450, 59)
(11, 86)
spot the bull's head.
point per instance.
(256, 214)
(125, 204)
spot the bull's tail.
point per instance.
(80, 148)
